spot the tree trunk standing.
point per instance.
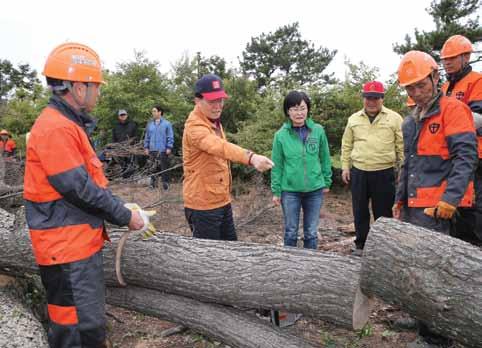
(322, 285)
(435, 278)
(231, 326)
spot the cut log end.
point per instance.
(362, 309)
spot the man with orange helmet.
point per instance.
(7, 144)
(440, 149)
(67, 200)
(440, 156)
(466, 85)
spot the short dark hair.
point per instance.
(159, 109)
(295, 98)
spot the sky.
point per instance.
(167, 30)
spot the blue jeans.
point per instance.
(291, 203)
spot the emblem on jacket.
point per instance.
(434, 127)
(312, 145)
(459, 95)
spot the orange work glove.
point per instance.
(442, 210)
(396, 209)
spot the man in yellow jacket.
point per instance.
(371, 147)
(207, 156)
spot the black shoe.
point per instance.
(165, 186)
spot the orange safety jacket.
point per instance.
(206, 154)
(468, 89)
(65, 188)
(440, 156)
(8, 147)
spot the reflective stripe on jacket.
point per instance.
(206, 154)
(469, 91)
(440, 156)
(65, 189)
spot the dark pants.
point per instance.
(215, 224)
(478, 202)
(76, 303)
(161, 162)
(377, 186)
(468, 226)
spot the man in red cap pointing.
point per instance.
(207, 155)
(371, 147)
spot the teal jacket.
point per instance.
(300, 167)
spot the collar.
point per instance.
(309, 123)
(459, 75)
(215, 124)
(433, 108)
(82, 119)
(382, 111)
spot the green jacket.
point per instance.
(300, 167)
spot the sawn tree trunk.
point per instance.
(435, 278)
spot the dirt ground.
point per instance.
(257, 221)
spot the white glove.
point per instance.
(148, 228)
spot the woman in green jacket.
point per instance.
(302, 171)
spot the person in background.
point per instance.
(371, 148)
(301, 175)
(466, 85)
(207, 157)
(125, 131)
(7, 144)
(158, 144)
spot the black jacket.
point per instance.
(124, 131)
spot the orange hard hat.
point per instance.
(410, 102)
(455, 46)
(4, 132)
(414, 67)
(74, 62)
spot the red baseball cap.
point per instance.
(373, 89)
(211, 87)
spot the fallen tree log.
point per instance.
(433, 277)
(18, 326)
(231, 326)
(246, 275)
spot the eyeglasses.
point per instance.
(297, 109)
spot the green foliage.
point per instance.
(136, 86)
(22, 80)
(283, 57)
(450, 17)
(257, 133)
(365, 331)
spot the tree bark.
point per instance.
(435, 278)
(246, 275)
(231, 326)
(18, 326)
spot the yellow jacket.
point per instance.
(372, 146)
(207, 155)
